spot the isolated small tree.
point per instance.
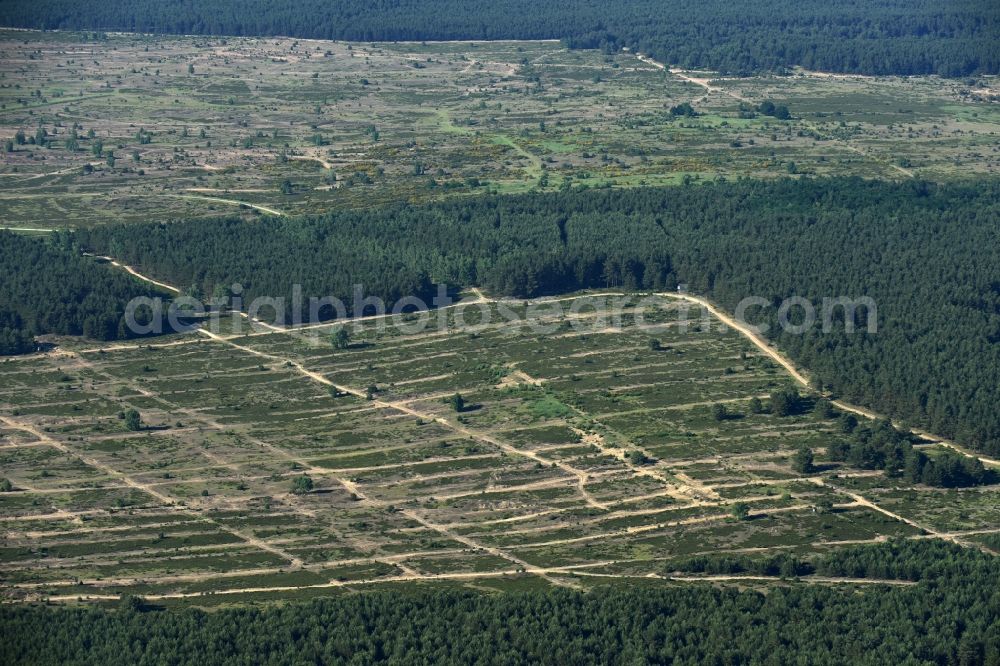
(848, 422)
(719, 411)
(133, 420)
(132, 603)
(756, 406)
(802, 462)
(302, 485)
(741, 511)
(190, 68)
(340, 338)
(637, 457)
(6, 486)
(824, 409)
(457, 402)
(683, 109)
(654, 345)
(785, 402)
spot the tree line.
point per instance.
(925, 253)
(948, 617)
(874, 37)
(896, 559)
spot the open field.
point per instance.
(202, 127)
(582, 455)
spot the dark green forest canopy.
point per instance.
(952, 616)
(46, 286)
(865, 36)
(926, 253)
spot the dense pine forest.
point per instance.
(48, 287)
(925, 253)
(870, 37)
(952, 616)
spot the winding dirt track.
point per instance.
(135, 273)
(313, 156)
(234, 202)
